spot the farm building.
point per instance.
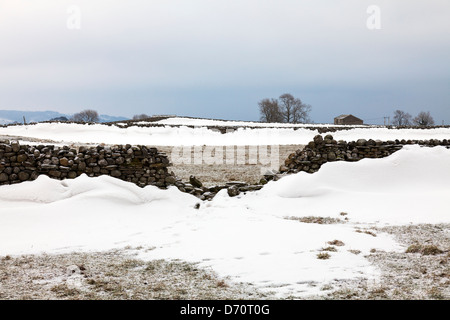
(347, 119)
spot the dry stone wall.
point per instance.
(326, 149)
(151, 122)
(141, 165)
(145, 165)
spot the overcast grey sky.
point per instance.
(218, 58)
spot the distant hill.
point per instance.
(107, 118)
(11, 116)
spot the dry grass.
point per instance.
(215, 174)
(421, 272)
(424, 249)
(366, 232)
(330, 248)
(323, 256)
(113, 275)
(318, 220)
(338, 243)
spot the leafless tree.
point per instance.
(301, 113)
(287, 109)
(293, 109)
(424, 119)
(140, 116)
(86, 116)
(270, 110)
(401, 118)
(287, 105)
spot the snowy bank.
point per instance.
(246, 237)
(410, 186)
(178, 136)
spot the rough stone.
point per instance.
(15, 147)
(23, 176)
(195, 182)
(4, 177)
(22, 157)
(361, 142)
(54, 173)
(71, 174)
(233, 191)
(171, 180)
(64, 162)
(116, 173)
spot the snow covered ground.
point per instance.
(187, 136)
(223, 123)
(247, 237)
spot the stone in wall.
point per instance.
(141, 165)
(325, 149)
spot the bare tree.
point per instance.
(140, 116)
(270, 110)
(86, 116)
(287, 105)
(287, 109)
(424, 119)
(293, 109)
(401, 118)
(301, 113)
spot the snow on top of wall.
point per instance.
(183, 135)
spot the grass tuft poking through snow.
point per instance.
(424, 249)
(323, 256)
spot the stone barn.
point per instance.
(347, 119)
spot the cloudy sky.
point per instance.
(218, 58)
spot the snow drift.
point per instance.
(410, 186)
(246, 237)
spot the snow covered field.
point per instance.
(187, 136)
(224, 123)
(253, 237)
